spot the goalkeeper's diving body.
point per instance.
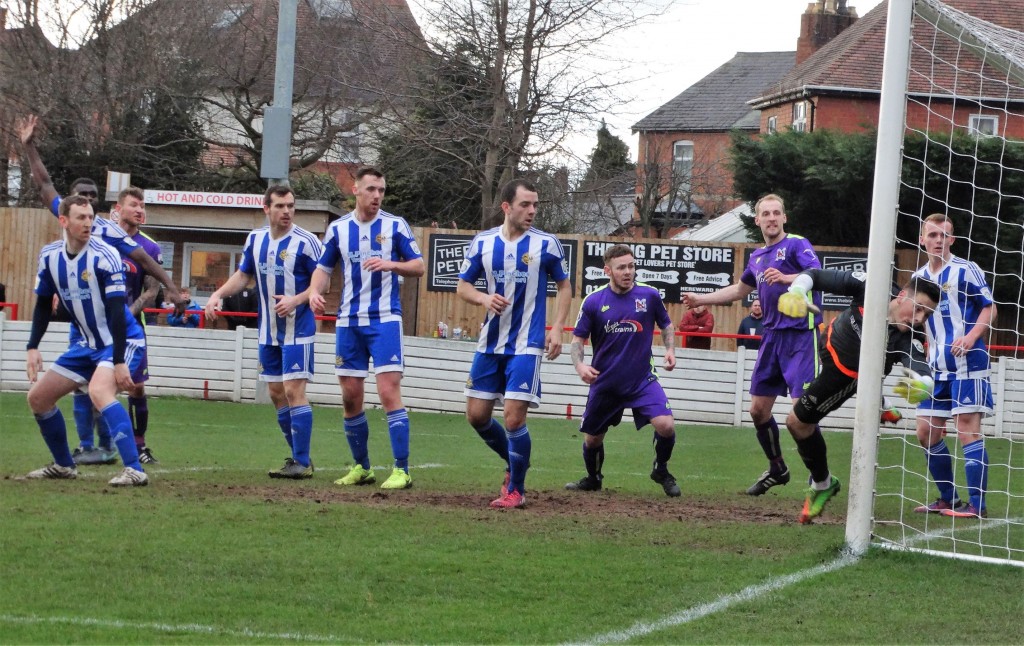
(840, 359)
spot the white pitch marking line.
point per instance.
(171, 628)
(641, 628)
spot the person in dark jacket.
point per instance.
(751, 325)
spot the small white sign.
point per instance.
(195, 198)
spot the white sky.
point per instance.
(694, 38)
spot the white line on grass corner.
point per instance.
(197, 629)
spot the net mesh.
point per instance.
(964, 157)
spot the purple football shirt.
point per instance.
(791, 255)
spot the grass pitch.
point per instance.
(215, 552)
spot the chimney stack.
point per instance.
(822, 21)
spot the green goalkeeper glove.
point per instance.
(795, 303)
(913, 387)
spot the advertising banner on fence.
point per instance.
(448, 250)
(670, 268)
(841, 260)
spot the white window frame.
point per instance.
(332, 9)
(975, 125)
(773, 125)
(799, 117)
(186, 263)
(682, 162)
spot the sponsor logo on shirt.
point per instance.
(623, 327)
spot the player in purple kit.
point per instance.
(140, 292)
(788, 358)
(619, 318)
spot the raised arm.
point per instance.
(232, 286)
(27, 134)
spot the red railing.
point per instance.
(14, 309)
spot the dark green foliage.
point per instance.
(609, 159)
(313, 185)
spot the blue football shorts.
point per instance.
(355, 346)
(505, 376)
(286, 362)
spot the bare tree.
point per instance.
(536, 81)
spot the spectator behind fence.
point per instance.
(244, 301)
(697, 319)
(752, 325)
(188, 319)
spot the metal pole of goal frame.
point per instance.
(881, 242)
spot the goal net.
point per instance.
(962, 155)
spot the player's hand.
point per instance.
(670, 359)
(285, 305)
(174, 296)
(317, 303)
(913, 387)
(213, 305)
(27, 129)
(553, 345)
(123, 377)
(795, 303)
(497, 303)
(33, 365)
(690, 299)
(587, 373)
(377, 264)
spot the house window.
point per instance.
(682, 162)
(332, 8)
(206, 267)
(773, 125)
(983, 125)
(800, 116)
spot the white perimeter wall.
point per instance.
(707, 386)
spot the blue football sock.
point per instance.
(494, 436)
(120, 426)
(55, 434)
(284, 420)
(302, 430)
(768, 438)
(663, 450)
(83, 419)
(940, 465)
(398, 429)
(519, 448)
(103, 438)
(976, 470)
(357, 432)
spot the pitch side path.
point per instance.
(214, 552)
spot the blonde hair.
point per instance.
(766, 198)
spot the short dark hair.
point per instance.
(278, 190)
(508, 191)
(921, 285)
(363, 171)
(87, 181)
(131, 191)
(616, 251)
(73, 200)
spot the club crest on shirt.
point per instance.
(527, 258)
(641, 304)
(283, 254)
(780, 254)
(85, 276)
(946, 287)
(381, 238)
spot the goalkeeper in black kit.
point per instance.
(840, 359)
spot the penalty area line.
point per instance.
(197, 629)
(642, 628)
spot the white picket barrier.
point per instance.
(707, 386)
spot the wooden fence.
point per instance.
(707, 387)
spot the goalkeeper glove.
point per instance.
(794, 302)
(913, 387)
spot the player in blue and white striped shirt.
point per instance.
(374, 249)
(516, 262)
(87, 276)
(282, 258)
(960, 367)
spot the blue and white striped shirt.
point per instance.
(964, 295)
(369, 296)
(109, 231)
(519, 270)
(83, 284)
(282, 267)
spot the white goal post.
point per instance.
(950, 139)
